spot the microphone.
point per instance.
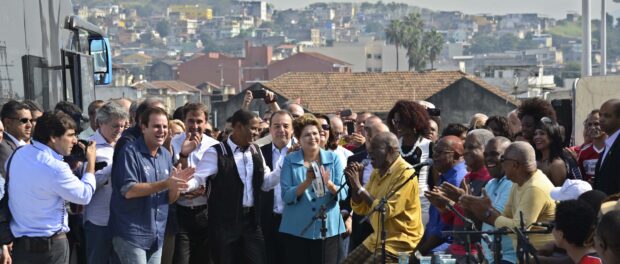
(428, 162)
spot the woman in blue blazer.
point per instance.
(301, 203)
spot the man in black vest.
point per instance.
(281, 131)
(238, 173)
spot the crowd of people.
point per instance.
(132, 184)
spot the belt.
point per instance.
(53, 237)
(193, 207)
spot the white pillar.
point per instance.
(586, 40)
(603, 38)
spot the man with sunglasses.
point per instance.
(16, 118)
(530, 195)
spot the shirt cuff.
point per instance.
(89, 178)
(126, 188)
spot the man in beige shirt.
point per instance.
(530, 195)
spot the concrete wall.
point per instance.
(464, 98)
(590, 94)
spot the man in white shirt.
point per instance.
(281, 131)
(237, 172)
(608, 165)
(188, 148)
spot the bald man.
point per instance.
(296, 110)
(448, 161)
(530, 195)
(606, 173)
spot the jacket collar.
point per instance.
(298, 157)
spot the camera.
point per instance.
(77, 152)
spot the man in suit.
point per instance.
(17, 121)
(372, 126)
(281, 131)
(606, 178)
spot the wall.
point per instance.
(298, 63)
(591, 93)
(207, 69)
(464, 98)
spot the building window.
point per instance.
(369, 56)
(368, 69)
(378, 70)
(500, 74)
(378, 56)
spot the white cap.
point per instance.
(570, 190)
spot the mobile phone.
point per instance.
(434, 111)
(100, 165)
(350, 128)
(259, 94)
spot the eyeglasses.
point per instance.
(395, 121)
(24, 120)
(325, 126)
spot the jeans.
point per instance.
(130, 254)
(99, 244)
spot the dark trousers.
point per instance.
(300, 250)
(26, 251)
(191, 245)
(271, 230)
(240, 242)
(360, 233)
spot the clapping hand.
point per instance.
(437, 198)
(452, 192)
(352, 171)
(179, 177)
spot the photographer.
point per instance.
(110, 123)
(40, 183)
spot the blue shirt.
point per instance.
(434, 226)
(298, 211)
(499, 191)
(40, 183)
(139, 221)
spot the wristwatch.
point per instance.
(183, 155)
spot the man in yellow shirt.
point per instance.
(403, 216)
(530, 195)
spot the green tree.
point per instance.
(507, 42)
(483, 44)
(433, 41)
(395, 34)
(163, 28)
(412, 40)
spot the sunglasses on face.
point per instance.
(325, 127)
(503, 158)
(25, 120)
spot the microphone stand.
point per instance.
(322, 214)
(468, 223)
(381, 209)
(497, 239)
(524, 247)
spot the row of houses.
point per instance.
(459, 95)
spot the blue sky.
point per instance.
(553, 8)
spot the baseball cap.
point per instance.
(570, 190)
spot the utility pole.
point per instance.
(586, 39)
(603, 38)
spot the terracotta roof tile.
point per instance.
(374, 92)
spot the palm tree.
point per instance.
(394, 35)
(412, 40)
(433, 41)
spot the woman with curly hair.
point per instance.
(499, 125)
(410, 121)
(551, 157)
(530, 112)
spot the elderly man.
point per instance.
(372, 126)
(295, 109)
(530, 195)
(606, 174)
(473, 182)
(448, 161)
(403, 209)
(92, 116)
